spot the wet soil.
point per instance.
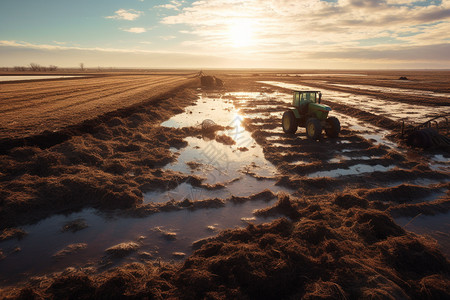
(153, 185)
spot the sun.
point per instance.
(241, 33)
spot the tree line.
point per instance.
(37, 68)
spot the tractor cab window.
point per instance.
(308, 97)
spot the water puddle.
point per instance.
(382, 89)
(34, 253)
(343, 158)
(214, 108)
(370, 132)
(439, 162)
(436, 227)
(394, 110)
(353, 170)
(322, 74)
(34, 77)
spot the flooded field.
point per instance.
(408, 92)
(394, 110)
(238, 165)
(203, 183)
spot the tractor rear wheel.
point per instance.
(289, 122)
(333, 127)
(313, 128)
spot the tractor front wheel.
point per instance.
(333, 127)
(313, 128)
(289, 122)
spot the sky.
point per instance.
(308, 34)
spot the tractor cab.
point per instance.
(303, 98)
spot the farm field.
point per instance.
(151, 185)
(31, 107)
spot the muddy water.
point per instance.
(352, 170)
(382, 89)
(370, 132)
(322, 75)
(45, 238)
(436, 227)
(394, 110)
(242, 168)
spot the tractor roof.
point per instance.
(306, 91)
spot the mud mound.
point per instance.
(265, 195)
(225, 139)
(70, 249)
(401, 194)
(426, 208)
(72, 287)
(414, 256)
(211, 81)
(348, 200)
(374, 226)
(284, 206)
(122, 249)
(12, 233)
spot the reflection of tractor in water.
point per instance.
(309, 113)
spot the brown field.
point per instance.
(32, 107)
(112, 186)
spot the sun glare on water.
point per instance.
(241, 33)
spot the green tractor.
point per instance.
(309, 113)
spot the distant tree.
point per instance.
(82, 66)
(35, 67)
(19, 68)
(52, 68)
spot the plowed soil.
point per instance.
(29, 107)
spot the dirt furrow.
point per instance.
(70, 93)
(53, 116)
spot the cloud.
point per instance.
(300, 26)
(135, 30)
(172, 5)
(168, 37)
(439, 52)
(17, 53)
(432, 56)
(126, 14)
